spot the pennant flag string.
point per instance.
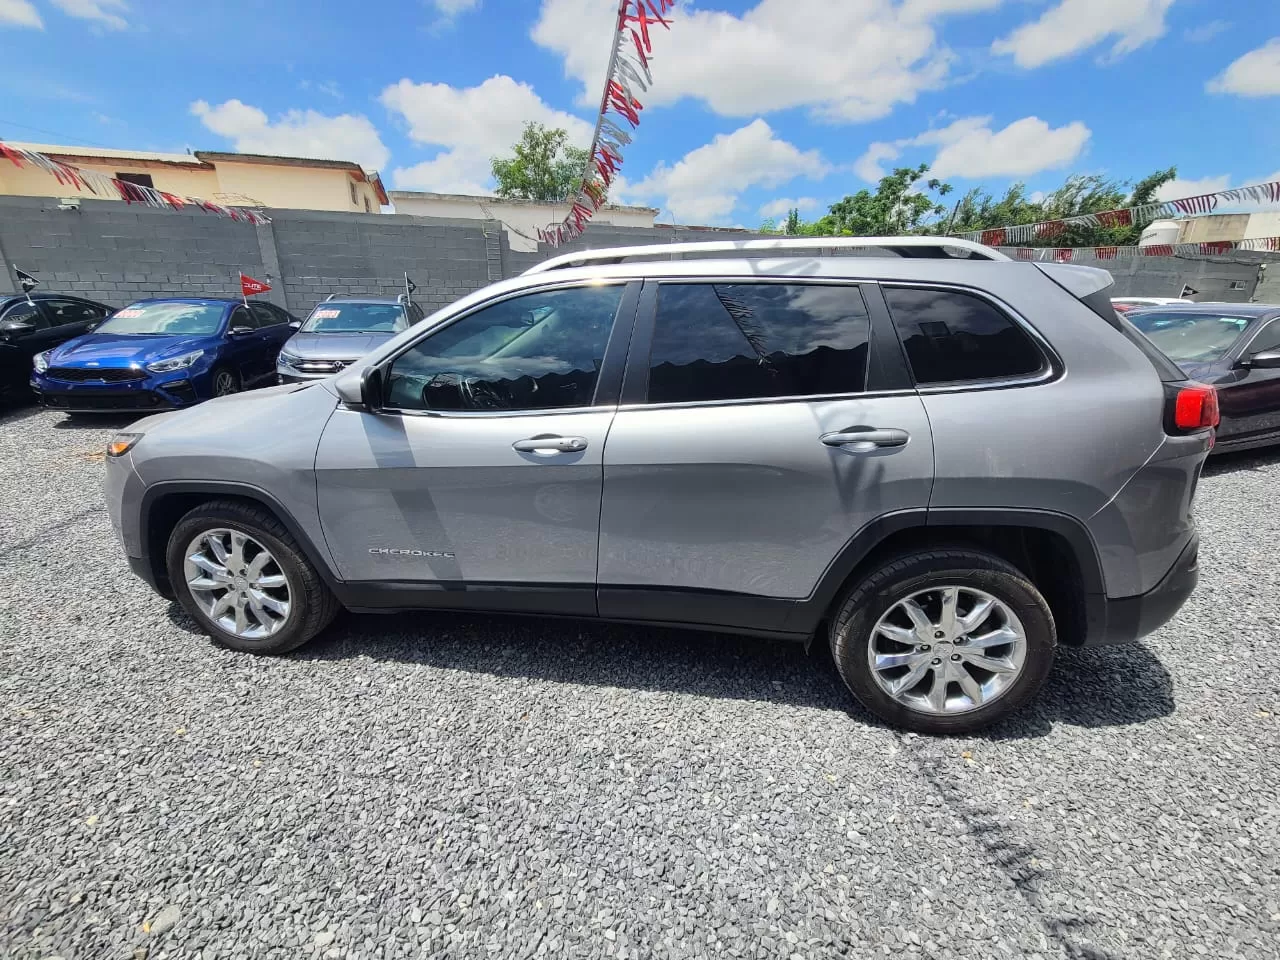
(105, 187)
(1205, 248)
(627, 75)
(1131, 216)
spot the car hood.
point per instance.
(124, 350)
(334, 346)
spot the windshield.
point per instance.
(332, 317)
(1190, 338)
(171, 319)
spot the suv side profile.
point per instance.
(944, 461)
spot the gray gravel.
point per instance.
(464, 786)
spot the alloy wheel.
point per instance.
(224, 384)
(237, 583)
(947, 650)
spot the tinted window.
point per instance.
(1190, 337)
(267, 316)
(537, 352)
(240, 317)
(952, 337)
(1267, 339)
(71, 311)
(24, 313)
(738, 341)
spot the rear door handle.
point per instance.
(866, 440)
(550, 445)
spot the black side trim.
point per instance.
(635, 385)
(215, 489)
(713, 609)
(887, 368)
(370, 596)
(609, 383)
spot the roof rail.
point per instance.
(910, 247)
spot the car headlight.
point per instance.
(122, 443)
(41, 361)
(287, 359)
(175, 363)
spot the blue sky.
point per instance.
(756, 103)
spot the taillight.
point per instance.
(1192, 407)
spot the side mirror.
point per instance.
(240, 331)
(295, 324)
(1266, 360)
(90, 327)
(371, 389)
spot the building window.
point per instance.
(368, 207)
(355, 197)
(141, 179)
(1239, 285)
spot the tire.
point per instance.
(224, 382)
(922, 576)
(311, 604)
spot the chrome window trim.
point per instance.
(435, 328)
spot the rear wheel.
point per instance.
(944, 641)
(242, 577)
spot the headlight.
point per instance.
(287, 359)
(41, 361)
(122, 443)
(175, 363)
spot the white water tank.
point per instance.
(1160, 232)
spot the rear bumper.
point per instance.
(1126, 619)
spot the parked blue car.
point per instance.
(162, 354)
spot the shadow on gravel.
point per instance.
(16, 411)
(1258, 460)
(98, 421)
(1114, 686)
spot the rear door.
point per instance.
(763, 424)
(274, 323)
(72, 318)
(482, 473)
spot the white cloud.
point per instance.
(778, 209)
(848, 61)
(970, 149)
(19, 13)
(451, 8)
(1206, 31)
(298, 133)
(97, 10)
(1256, 74)
(704, 185)
(473, 124)
(1177, 189)
(1076, 25)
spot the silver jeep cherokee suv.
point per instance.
(945, 461)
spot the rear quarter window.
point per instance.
(956, 337)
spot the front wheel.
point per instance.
(225, 382)
(242, 577)
(944, 641)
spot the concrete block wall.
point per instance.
(115, 253)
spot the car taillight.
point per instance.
(1193, 406)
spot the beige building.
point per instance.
(521, 218)
(231, 179)
(1212, 227)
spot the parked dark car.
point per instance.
(31, 326)
(1235, 347)
(340, 331)
(163, 354)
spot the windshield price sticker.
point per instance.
(328, 314)
(129, 314)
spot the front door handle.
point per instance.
(550, 445)
(866, 440)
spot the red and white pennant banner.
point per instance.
(1206, 248)
(628, 74)
(99, 184)
(1187, 206)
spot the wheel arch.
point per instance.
(1055, 551)
(166, 503)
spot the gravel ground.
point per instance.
(466, 786)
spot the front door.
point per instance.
(1248, 396)
(747, 451)
(484, 470)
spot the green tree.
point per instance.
(544, 166)
(902, 203)
(794, 225)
